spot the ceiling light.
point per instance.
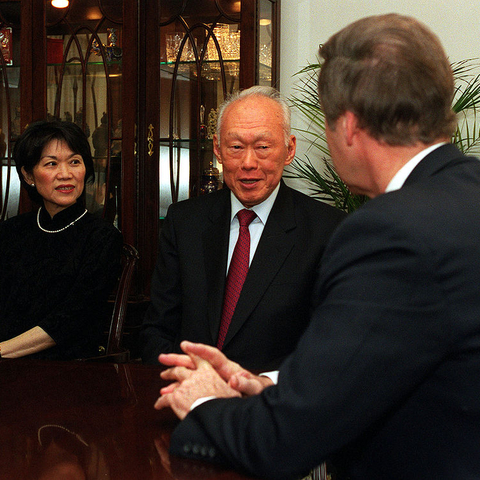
(60, 3)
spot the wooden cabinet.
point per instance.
(10, 121)
(144, 80)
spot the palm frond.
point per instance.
(326, 186)
(466, 104)
(469, 96)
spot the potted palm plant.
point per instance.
(324, 183)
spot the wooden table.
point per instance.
(89, 421)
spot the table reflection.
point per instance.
(75, 420)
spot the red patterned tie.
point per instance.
(237, 273)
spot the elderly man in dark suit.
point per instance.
(288, 236)
(385, 381)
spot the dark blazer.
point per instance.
(386, 379)
(275, 303)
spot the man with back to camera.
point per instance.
(385, 380)
(288, 234)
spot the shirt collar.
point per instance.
(262, 210)
(399, 178)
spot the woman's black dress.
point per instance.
(58, 281)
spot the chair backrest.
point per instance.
(129, 259)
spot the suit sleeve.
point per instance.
(163, 318)
(377, 320)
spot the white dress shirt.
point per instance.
(399, 178)
(262, 211)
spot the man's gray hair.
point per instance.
(260, 91)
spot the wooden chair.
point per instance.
(129, 260)
(115, 352)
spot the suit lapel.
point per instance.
(274, 247)
(215, 250)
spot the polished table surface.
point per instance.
(88, 421)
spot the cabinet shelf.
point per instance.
(78, 64)
(190, 143)
(205, 62)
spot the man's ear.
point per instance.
(291, 149)
(351, 128)
(28, 177)
(216, 148)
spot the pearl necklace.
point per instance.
(60, 229)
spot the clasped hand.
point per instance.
(203, 371)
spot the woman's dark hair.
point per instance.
(29, 147)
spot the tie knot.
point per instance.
(245, 217)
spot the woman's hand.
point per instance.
(32, 341)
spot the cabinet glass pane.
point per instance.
(200, 66)
(265, 42)
(9, 106)
(84, 85)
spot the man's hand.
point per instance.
(237, 377)
(223, 366)
(192, 384)
(249, 384)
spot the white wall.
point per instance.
(307, 23)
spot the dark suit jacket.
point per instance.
(386, 379)
(275, 304)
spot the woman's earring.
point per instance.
(33, 185)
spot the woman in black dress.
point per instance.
(59, 264)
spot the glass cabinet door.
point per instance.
(266, 42)
(199, 66)
(9, 106)
(84, 85)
